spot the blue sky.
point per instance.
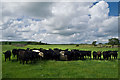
(113, 6)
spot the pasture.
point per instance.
(60, 69)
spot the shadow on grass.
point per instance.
(35, 62)
(118, 58)
(14, 60)
(38, 62)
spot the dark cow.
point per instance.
(51, 54)
(29, 55)
(37, 54)
(74, 54)
(99, 54)
(88, 53)
(57, 54)
(15, 53)
(23, 56)
(82, 54)
(7, 55)
(107, 54)
(96, 54)
(114, 54)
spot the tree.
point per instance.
(77, 45)
(100, 44)
(9, 43)
(94, 43)
(29, 42)
(5, 43)
(40, 43)
(113, 41)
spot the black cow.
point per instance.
(82, 54)
(35, 53)
(88, 53)
(68, 53)
(114, 54)
(15, 53)
(107, 54)
(75, 54)
(57, 54)
(30, 55)
(94, 54)
(7, 55)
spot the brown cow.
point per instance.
(99, 54)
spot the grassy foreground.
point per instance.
(60, 69)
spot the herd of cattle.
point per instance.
(30, 55)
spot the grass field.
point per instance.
(60, 69)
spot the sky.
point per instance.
(59, 22)
(113, 6)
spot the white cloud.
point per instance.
(63, 22)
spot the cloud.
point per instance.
(58, 22)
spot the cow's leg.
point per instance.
(84, 58)
(81, 57)
(110, 57)
(14, 55)
(107, 57)
(20, 61)
(5, 59)
(17, 57)
(23, 62)
(9, 58)
(31, 61)
(26, 62)
(104, 57)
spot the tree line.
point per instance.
(112, 41)
(22, 42)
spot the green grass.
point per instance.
(60, 69)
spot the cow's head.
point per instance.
(41, 54)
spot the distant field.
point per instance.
(61, 69)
